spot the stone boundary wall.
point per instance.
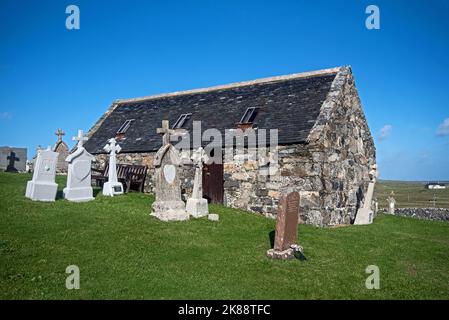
(438, 214)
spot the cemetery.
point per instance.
(123, 253)
(159, 245)
(77, 207)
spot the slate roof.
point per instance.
(290, 104)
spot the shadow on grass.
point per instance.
(271, 238)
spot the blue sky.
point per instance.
(53, 77)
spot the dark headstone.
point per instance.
(286, 228)
(287, 222)
(13, 159)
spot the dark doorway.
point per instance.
(213, 182)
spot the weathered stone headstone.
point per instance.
(168, 205)
(13, 159)
(43, 187)
(63, 150)
(112, 187)
(79, 172)
(196, 205)
(391, 203)
(365, 214)
(286, 228)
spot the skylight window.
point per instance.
(182, 120)
(250, 115)
(125, 126)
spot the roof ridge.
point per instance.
(306, 74)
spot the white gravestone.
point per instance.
(366, 213)
(168, 205)
(391, 203)
(197, 205)
(43, 187)
(79, 172)
(112, 187)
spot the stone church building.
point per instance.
(325, 148)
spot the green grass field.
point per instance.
(411, 194)
(123, 253)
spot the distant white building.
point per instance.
(435, 185)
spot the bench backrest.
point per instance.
(124, 169)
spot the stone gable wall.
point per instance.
(331, 173)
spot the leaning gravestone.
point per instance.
(112, 187)
(286, 228)
(43, 187)
(196, 205)
(365, 214)
(168, 205)
(79, 172)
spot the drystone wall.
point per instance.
(439, 214)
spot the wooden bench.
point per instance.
(131, 176)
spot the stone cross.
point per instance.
(80, 138)
(12, 159)
(166, 132)
(196, 205)
(199, 156)
(60, 133)
(112, 187)
(167, 181)
(286, 228)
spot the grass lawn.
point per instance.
(123, 253)
(411, 194)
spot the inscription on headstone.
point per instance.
(286, 228)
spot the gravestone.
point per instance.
(286, 228)
(79, 172)
(63, 150)
(33, 161)
(168, 205)
(391, 203)
(196, 205)
(13, 159)
(365, 214)
(43, 187)
(112, 187)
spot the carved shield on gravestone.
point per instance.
(81, 169)
(169, 173)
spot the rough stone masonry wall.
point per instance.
(439, 214)
(331, 172)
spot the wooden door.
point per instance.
(213, 182)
